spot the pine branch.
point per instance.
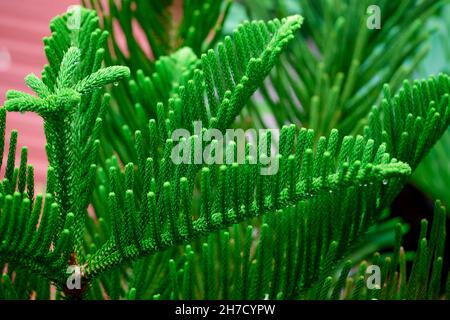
(149, 206)
(168, 227)
(132, 113)
(163, 33)
(333, 77)
(71, 104)
(359, 161)
(28, 225)
(422, 282)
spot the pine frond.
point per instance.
(282, 219)
(71, 102)
(132, 111)
(423, 281)
(336, 165)
(162, 31)
(433, 175)
(29, 232)
(259, 264)
(334, 75)
(213, 90)
(169, 221)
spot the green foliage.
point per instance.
(71, 102)
(143, 227)
(198, 27)
(269, 269)
(433, 175)
(222, 77)
(423, 281)
(334, 74)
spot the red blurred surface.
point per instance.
(23, 24)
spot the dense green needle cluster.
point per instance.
(198, 27)
(71, 102)
(339, 66)
(116, 204)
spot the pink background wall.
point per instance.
(23, 24)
